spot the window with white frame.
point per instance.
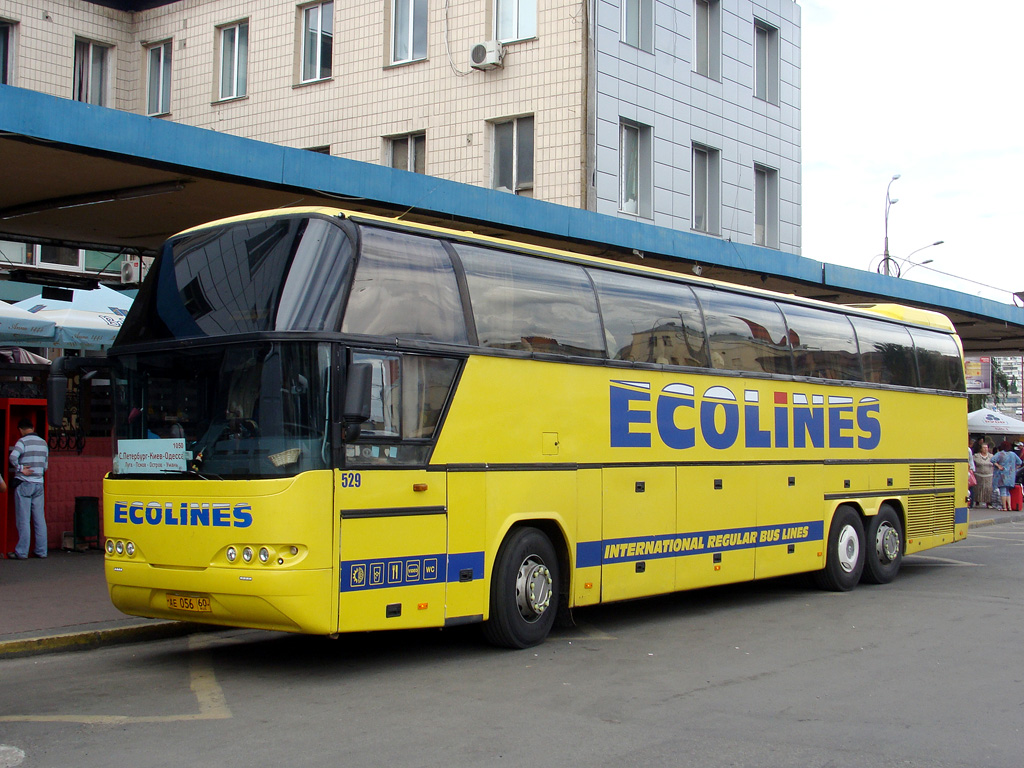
(158, 79)
(90, 73)
(6, 51)
(513, 156)
(638, 24)
(635, 168)
(515, 20)
(234, 59)
(707, 39)
(409, 152)
(317, 41)
(766, 62)
(408, 30)
(766, 206)
(704, 190)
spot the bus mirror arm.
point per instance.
(57, 382)
(358, 392)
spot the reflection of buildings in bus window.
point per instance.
(667, 344)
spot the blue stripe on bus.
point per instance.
(593, 553)
(383, 573)
(960, 516)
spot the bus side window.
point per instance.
(405, 287)
(886, 352)
(650, 321)
(938, 360)
(746, 333)
(824, 344)
(529, 304)
(408, 395)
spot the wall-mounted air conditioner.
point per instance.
(486, 55)
(134, 269)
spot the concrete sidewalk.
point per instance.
(61, 603)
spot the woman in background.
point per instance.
(983, 469)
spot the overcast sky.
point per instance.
(931, 90)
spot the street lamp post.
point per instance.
(889, 202)
(918, 263)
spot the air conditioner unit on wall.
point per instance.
(134, 269)
(486, 55)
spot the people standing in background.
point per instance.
(1006, 463)
(983, 471)
(971, 489)
(29, 459)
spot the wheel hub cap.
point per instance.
(887, 543)
(533, 588)
(849, 548)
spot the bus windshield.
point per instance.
(243, 411)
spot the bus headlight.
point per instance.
(110, 546)
(247, 554)
(119, 547)
(129, 547)
(232, 553)
(264, 554)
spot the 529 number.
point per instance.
(351, 479)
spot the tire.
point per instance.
(524, 590)
(844, 558)
(883, 547)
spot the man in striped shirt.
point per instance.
(29, 460)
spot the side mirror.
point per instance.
(358, 392)
(56, 393)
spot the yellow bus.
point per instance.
(333, 422)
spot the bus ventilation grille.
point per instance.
(932, 475)
(930, 515)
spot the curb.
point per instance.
(97, 638)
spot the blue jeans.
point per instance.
(28, 508)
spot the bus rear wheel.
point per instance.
(524, 590)
(844, 558)
(884, 540)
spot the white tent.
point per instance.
(20, 327)
(989, 422)
(90, 320)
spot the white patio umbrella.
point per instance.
(90, 320)
(18, 326)
(988, 422)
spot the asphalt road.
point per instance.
(926, 671)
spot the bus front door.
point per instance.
(393, 549)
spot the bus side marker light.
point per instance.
(419, 487)
(718, 567)
(588, 585)
(422, 606)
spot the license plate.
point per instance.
(189, 603)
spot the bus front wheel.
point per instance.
(884, 539)
(524, 590)
(844, 558)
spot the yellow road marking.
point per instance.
(202, 681)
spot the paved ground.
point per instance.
(61, 603)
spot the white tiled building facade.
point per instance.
(684, 114)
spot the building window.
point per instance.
(6, 51)
(158, 81)
(513, 156)
(705, 189)
(234, 59)
(635, 162)
(91, 72)
(638, 24)
(408, 153)
(707, 39)
(766, 62)
(515, 20)
(766, 206)
(409, 30)
(317, 41)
